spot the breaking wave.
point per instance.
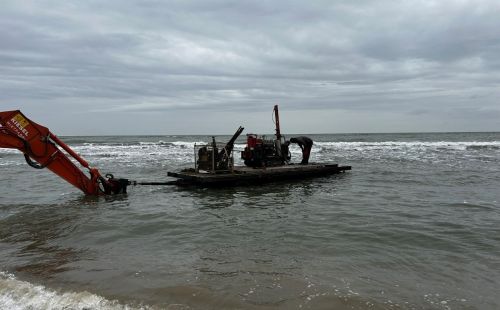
(21, 295)
(494, 145)
(134, 152)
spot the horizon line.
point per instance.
(266, 134)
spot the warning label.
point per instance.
(19, 123)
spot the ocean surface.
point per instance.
(414, 225)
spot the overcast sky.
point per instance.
(188, 67)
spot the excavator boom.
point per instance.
(41, 149)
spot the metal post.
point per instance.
(196, 168)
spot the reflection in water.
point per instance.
(34, 231)
(271, 195)
(246, 254)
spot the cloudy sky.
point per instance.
(208, 66)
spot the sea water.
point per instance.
(414, 225)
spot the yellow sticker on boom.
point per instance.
(21, 121)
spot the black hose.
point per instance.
(154, 183)
(32, 163)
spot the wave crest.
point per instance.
(16, 294)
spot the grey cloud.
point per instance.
(121, 58)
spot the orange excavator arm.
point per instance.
(42, 149)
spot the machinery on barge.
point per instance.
(265, 160)
(262, 152)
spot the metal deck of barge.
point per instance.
(242, 175)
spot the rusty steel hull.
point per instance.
(242, 175)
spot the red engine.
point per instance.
(260, 152)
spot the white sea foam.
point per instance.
(413, 144)
(8, 151)
(183, 151)
(173, 143)
(22, 295)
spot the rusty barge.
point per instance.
(242, 175)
